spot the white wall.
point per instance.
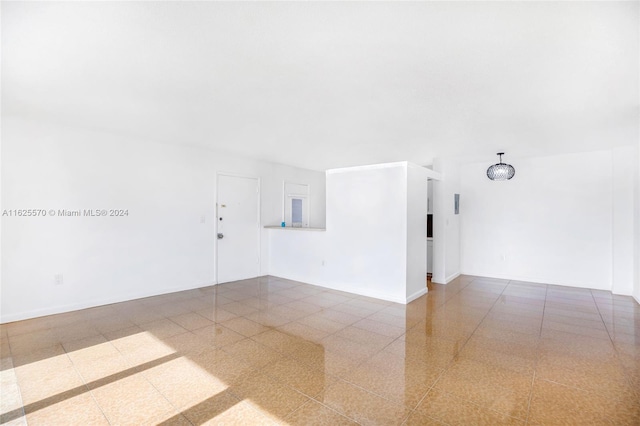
(551, 223)
(161, 246)
(372, 245)
(623, 186)
(637, 223)
(446, 224)
(417, 192)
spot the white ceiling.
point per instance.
(322, 85)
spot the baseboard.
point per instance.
(61, 309)
(353, 290)
(452, 277)
(417, 294)
(532, 280)
(446, 280)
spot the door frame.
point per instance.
(217, 217)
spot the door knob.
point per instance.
(220, 236)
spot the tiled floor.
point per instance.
(262, 351)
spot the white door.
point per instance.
(238, 228)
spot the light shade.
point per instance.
(501, 171)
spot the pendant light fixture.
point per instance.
(501, 171)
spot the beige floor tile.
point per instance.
(30, 342)
(316, 414)
(434, 351)
(341, 317)
(393, 377)
(191, 321)
(90, 349)
(604, 379)
(163, 328)
(245, 326)
(11, 405)
(77, 410)
(362, 406)
(419, 419)
(497, 389)
(552, 403)
(349, 349)
(253, 353)
(379, 327)
(142, 348)
(278, 340)
(302, 331)
(239, 308)
(222, 365)
(216, 314)
(41, 361)
(218, 335)
(321, 323)
(41, 386)
(227, 409)
(131, 401)
(183, 382)
(300, 377)
(187, 343)
(454, 411)
(103, 369)
(523, 361)
(267, 393)
(270, 318)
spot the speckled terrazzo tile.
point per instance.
(245, 326)
(217, 315)
(300, 377)
(252, 352)
(218, 335)
(77, 410)
(498, 389)
(225, 409)
(435, 352)
(183, 382)
(454, 411)
(191, 321)
(401, 380)
(302, 331)
(419, 419)
(553, 403)
(316, 414)
(40, 386)
(269, 394)
(131, 400)
(221, 365)
(362, 406)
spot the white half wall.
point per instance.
(165, 244)
(551, 223)
(375, 240)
